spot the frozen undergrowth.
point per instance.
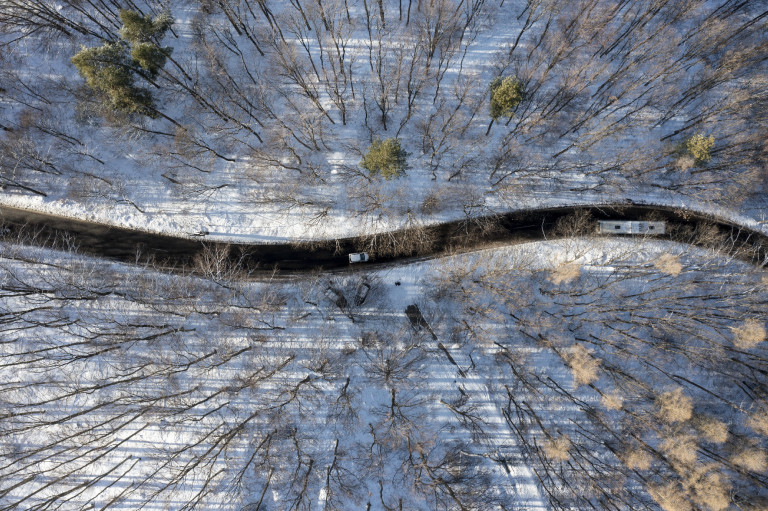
(267, 147)
(554, 375)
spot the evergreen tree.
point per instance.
(506, 94)
(107, 69)
(385, 157)
(700, 148)
(112, 68)
(149, 57)
(142, 29)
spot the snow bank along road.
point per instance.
(432, 241)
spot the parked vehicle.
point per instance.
(630, 227)
(358, 257)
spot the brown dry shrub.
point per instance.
(674, 406)
(680, 449)
(556, 448)
(434, 202)
(583, 365)
(758, 422)
(579, 223)
(669, 264)
(613, 401)
(685, 163)
(752, 459)
(709, 489)
(749, 335)
(670, 497)
(713, 430)
(565, 273)
(638, 459)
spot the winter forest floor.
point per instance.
(568, 374)
(578, 373)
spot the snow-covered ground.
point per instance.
(542, 381)
(576, 374)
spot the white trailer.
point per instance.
(630, 227)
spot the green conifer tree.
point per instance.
(506, 94)
(385, 157)
(112, 69)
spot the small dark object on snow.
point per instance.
(417, 320)
(336, 296)
(362, 293)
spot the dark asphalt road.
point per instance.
(434, 241)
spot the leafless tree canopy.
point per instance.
(283, 98)
(622, 386)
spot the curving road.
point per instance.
(178, 252)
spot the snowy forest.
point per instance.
(256, 118)
(572, 374)
(580, 372)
